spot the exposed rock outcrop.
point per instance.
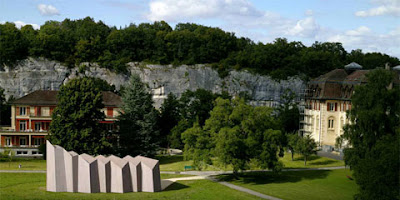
(34, 74)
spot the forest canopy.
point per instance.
(85, 40)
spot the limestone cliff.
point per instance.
(34, 74)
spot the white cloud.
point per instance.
(304, 28)
(309, 13)
(246, 20)
(20, 24)
(369, 41)
(47, 10)
(173, 10)
(240, 15)
(362, 30)
(385, 7)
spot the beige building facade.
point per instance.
(327, 99)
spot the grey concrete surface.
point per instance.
(151, 180)
(136, 173)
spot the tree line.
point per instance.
(85, 40)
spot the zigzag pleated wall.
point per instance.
(71, 172)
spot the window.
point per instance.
(22, 110)
(331, 107)
(37, 126)
(32, 111)
(45, 111)
(37, 141)
(330, 123)
(22, 141)
(22, 152)
(22, 125)
(8, 141)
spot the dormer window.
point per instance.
(331, 107)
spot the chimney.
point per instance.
(387, 66)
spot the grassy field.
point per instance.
(33, 186)
(298, 185)
(26, 164)
(312, 162)
(176, 163)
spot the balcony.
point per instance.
(39, 116)
(24, 132)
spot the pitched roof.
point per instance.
(49, 97)
(353, 66)
(334, 75)
(357, 76)
(111, 99)
(38, 97)
(332, 85)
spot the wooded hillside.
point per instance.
(76, 41)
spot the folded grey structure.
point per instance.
(70, 172)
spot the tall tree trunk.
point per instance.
(305, 160)
(292, 154)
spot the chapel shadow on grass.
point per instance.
(176, 186)
(271, 177)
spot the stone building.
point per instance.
(31, 117)
(327, 99)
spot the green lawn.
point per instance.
(176, 163)
(33, 186)
(26, 164)
(297, 185)
(167, 176)
(312, 162)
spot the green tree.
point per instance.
(103, 85)
(288, 112)
(169, 117)
(13, 46)
(235, 133)
(292, 139)
(197, 146)
(175, 137)
(374, 137)
(29, 35)
(306, 146)
(138, 134)
(197, 105)
(75, 121)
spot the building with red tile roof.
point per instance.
(31, 117)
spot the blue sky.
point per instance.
(370, 25)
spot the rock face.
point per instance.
(34, 74)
